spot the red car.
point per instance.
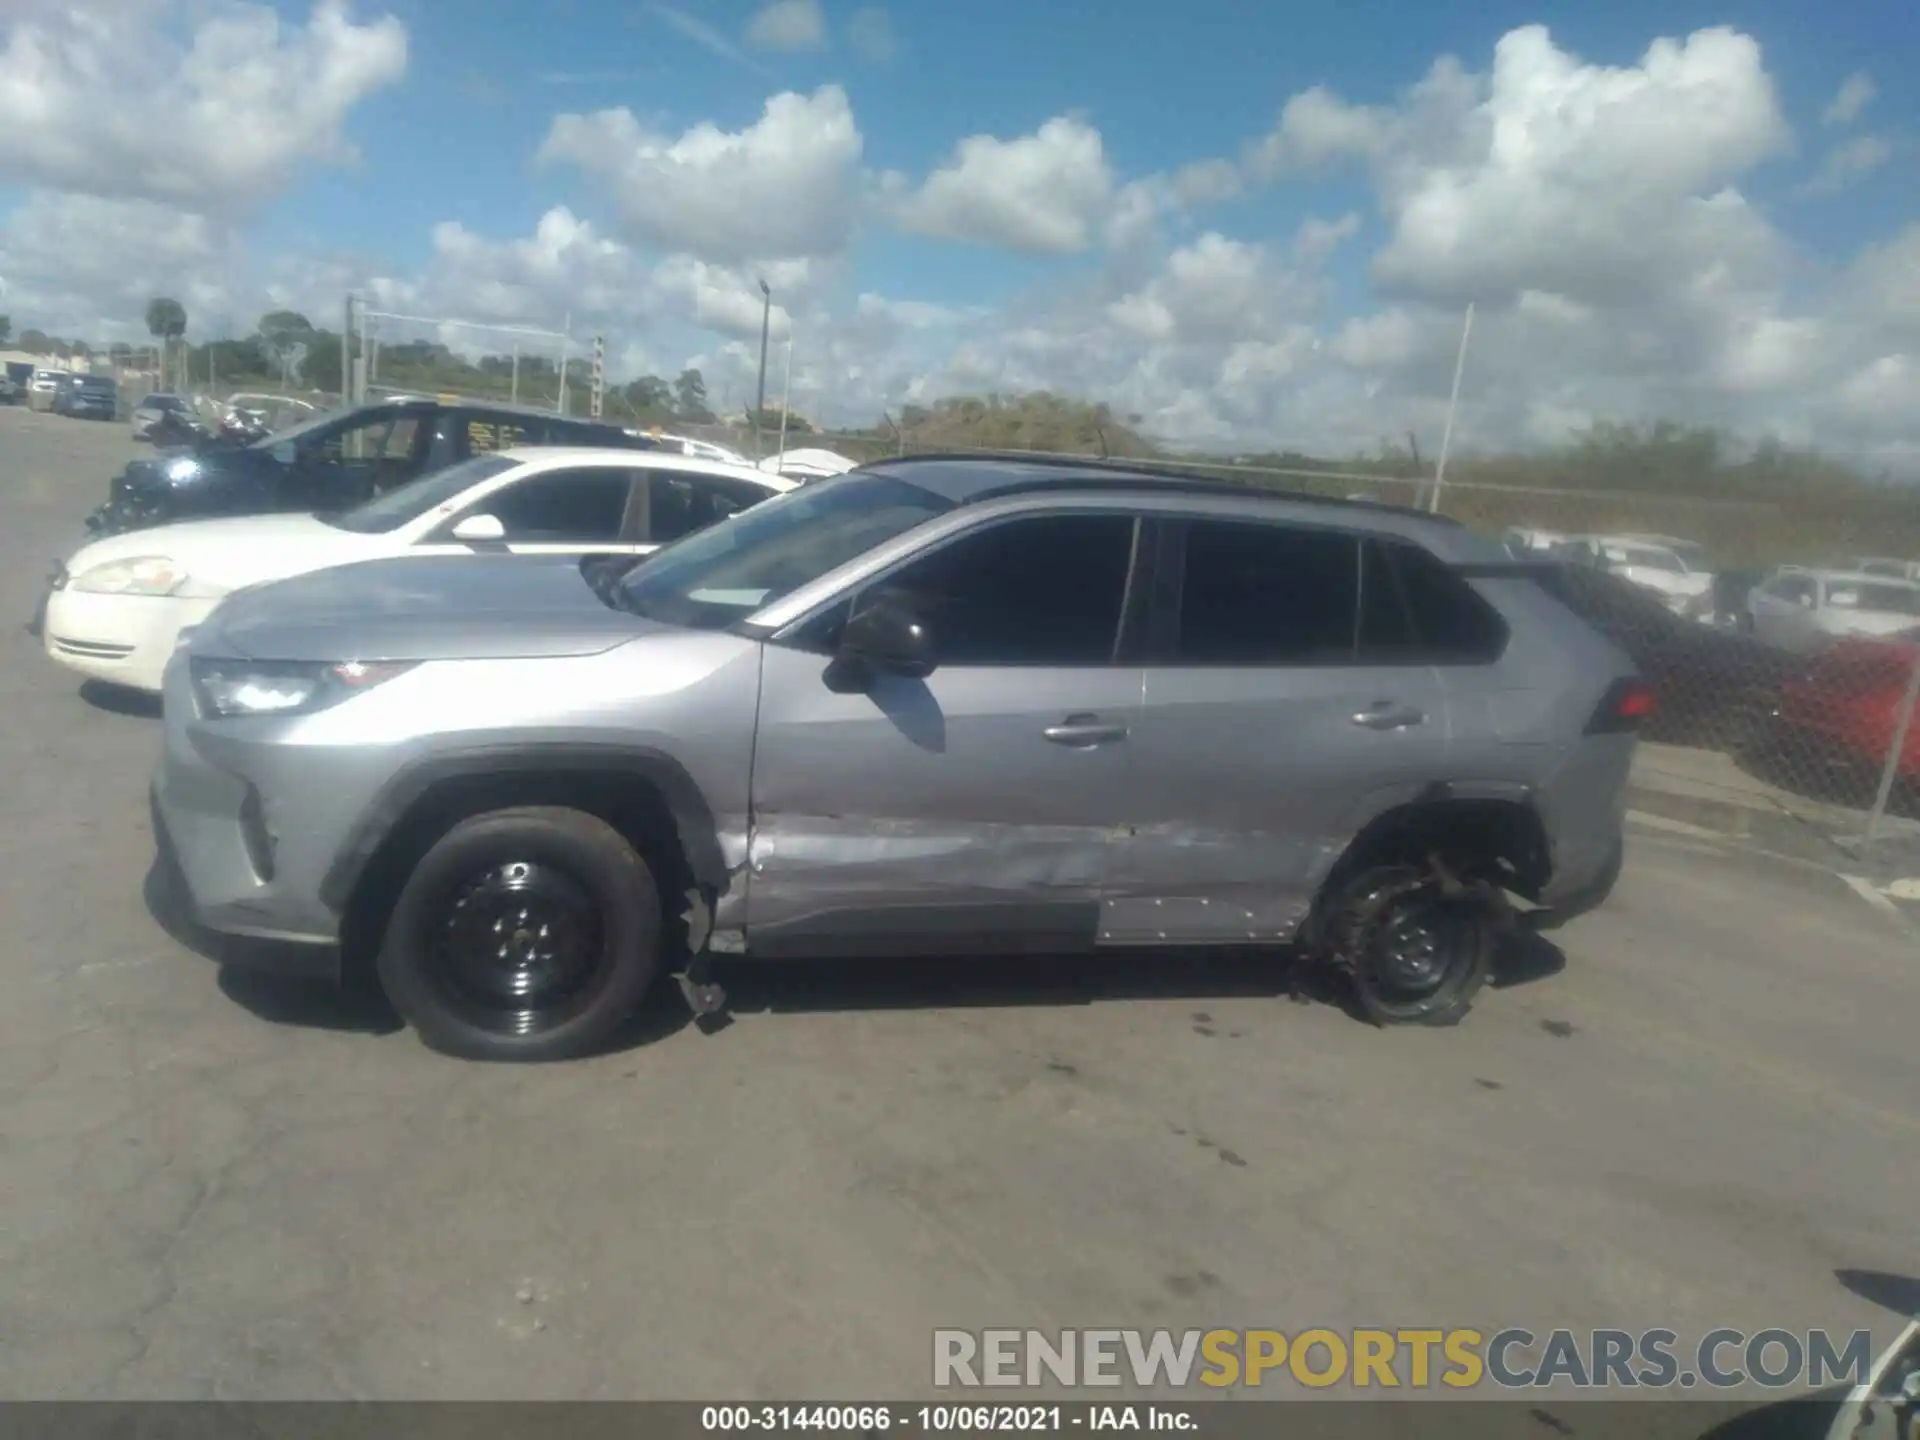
(1842, 711)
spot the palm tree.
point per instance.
(166, 322)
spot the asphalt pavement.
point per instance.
(1697, 1109)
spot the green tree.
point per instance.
(690, 397)
(287, 338)
(166, 322)
(36, 342)
(6, 328)
(649, 398)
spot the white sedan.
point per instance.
(117, 607)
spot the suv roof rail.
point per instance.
(1144, 474)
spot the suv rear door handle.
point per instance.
(1389, 715)
(1084, 731)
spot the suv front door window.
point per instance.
(1287, 674)
(983, 799)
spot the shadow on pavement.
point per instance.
(117, 700)
(1898, 1293)
(1525, 957)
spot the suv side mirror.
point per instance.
(887, 633)
(480, 529)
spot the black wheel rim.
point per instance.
(520, 947)
(1420, 953)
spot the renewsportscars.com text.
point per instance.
(1414, 1359)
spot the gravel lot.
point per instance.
(214, 1187)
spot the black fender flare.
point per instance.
(398, 798)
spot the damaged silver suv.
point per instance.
(942, 704)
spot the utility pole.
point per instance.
(597, 395)
(346, 357)
(760, 395)
(1446, 435)
(786, 394)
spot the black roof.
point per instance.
(501, 407)
(970, 476)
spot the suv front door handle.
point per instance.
(1389, 715)
(1084, 731)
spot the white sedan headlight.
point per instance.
(142, 575)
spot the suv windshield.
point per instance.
(409, 502)
(721, 575)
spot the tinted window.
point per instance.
(571, 507)
(1454, 625)
(1268, 595)
(1791, 587)
(678, 505)
(1387, 632)
(1045, 591)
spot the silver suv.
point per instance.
(945, 705)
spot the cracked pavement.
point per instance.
(222, 1187)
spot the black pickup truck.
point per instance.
(334, 461)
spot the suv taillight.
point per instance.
(1625, 705)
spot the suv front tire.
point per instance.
(530, 933)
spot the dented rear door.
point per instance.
(975, 808)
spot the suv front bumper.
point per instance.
(251, 821)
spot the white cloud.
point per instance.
(1856, 92)
(85, 268)
(118, 100)
(1039, 194)
(786, 186)
(1849, 162)
(788, 25)
(1316, 239)
(1215, 290)
(870, 33)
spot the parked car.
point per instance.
(808, 464)
(1686, 589)
(1803, 610)
(335, 461)
(15, 378)
(932, 706)
(154, 408)
(1887, 569)
(1840, 712)
(1526, 542)
(44, 388)
(88, 397)
(1717, 688)
(116, 608)
(10, 391)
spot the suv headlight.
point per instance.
(142, 575)
(261, 687)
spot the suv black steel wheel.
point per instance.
(523, 934)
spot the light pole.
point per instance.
(760, 398)
(1453, 403)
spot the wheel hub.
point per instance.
(521, 941)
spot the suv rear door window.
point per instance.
(1454, 625)
(1254, 594)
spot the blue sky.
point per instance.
(1711, 241)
